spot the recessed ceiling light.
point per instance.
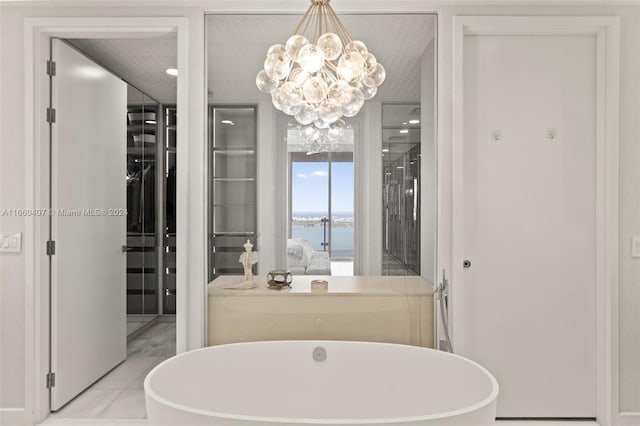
(403, 131)
(150, 121)
(400, 167)
(414, 121)
(405, 123)
(172, 71)
(385, 149)
(228, 122)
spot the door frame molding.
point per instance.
(607, 33)
(37, 31)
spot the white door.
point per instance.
(88, 336)
(529, 179)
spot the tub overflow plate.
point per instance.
(319, 354)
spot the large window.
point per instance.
(321, 197)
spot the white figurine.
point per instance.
(247, 258)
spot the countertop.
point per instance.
(301, 285)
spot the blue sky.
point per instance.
(310, 187)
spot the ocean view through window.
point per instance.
(322, 190)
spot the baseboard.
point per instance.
(13, 417)
(628, 419)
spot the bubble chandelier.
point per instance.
(320, 75)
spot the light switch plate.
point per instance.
(635, 247)
(11, 243)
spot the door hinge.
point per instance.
(51, 115)
(51, 380)
(51, 248)
(51, 68)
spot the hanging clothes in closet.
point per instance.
(171, 200)
(141, 197)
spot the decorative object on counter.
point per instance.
(319, 285)
(279, 279)
(320, 74)
(248, 258)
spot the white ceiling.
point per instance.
(141, 62)
(237, 45)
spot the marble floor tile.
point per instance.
(138, 383)
(123, 375)
(118, 398)
(133, 326)
(88, 404)
(129, 404)
(162, 343)
(158, 328)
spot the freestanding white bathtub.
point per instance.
(320, 383)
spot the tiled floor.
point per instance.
(120, 394)
(137, 321)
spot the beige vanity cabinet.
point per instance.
(376, 309)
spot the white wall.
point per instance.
(368, 189)
(272, 184)
(12, 180)
(630, 213)
(429, 163)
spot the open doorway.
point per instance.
(126, 146)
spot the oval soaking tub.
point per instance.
(319, 383)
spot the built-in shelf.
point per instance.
(147, 151)
(235, 234)
(239, 151)
(233, 166)
(230, 179)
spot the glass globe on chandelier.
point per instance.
(320, 74)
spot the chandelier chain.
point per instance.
(325, 18)
(304, 19)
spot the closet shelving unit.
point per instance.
(169, 225)
(142, 213)
(232, 186)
